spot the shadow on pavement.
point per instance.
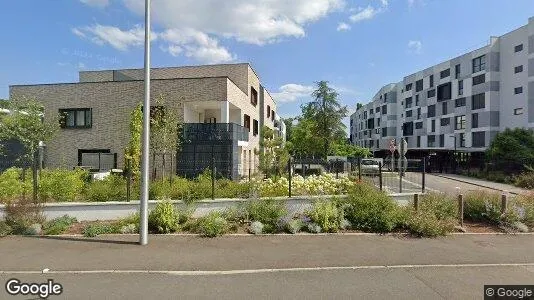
(82, 239)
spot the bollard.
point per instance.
(359, 168)
(380, 174)
(289, 176)
(504, 203)
(212, 178)
(461, 209)
(416, 202)
(424, 172)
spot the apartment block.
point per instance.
(222, 109)
(458, 105)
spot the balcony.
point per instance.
(214, 132)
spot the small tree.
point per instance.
(132, 154)
(26, 124)
(512, 147)
(273, 156)
(345, 149)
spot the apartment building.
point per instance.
(222, 109)
(457, 106)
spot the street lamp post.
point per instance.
(143, 228)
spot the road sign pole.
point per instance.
(401, 151)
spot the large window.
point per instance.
(445, 73)
(433, 125)
(407, 129)
(442, 140)
(479, 79)
(479, 139)
(246, 122)
(460, 87)
(253, 96)
(384, 109)
(444, 108)
(460, 122)
(431, 80)
(75, 118)
(431, 141)
(478, 101)
(444, 92)
(445, 121)
(417, 100)
(418, 125)
(255, 127)
(431, 93)
(384, 131)
(479, 64)
(409, 87)
(462, 140)
(408, 102)
(97, 159)
(409, 114)
(457, 71)
(419, 85)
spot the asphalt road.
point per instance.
(273, 267)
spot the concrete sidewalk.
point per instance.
(484, 183)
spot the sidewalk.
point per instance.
(484, 183)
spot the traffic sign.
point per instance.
(404, 147)
(392, 146)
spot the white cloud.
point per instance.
(415, 47)
(97, 3)
(412, 3)
(292, 92)
(255, 22)
(343, 26)
(368, 12)
(117, 38)
(81, 65)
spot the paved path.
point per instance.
(294, 267)
(483, 183)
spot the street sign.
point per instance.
(404, 147)
(392, 146)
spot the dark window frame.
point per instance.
(478, 101)
(518, 90)
(445, 73)
(419, 85)
(255, 127)
(518, 69)
(253, 96)
(460, 122)
(479, 79)
(479, 63)
(88, 114)
(518, 48)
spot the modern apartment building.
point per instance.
(222, 109)
(458, 105)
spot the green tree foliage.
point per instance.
(513, 145)
(132, 152)
(273, 155)
(343, 148)
(289, 127)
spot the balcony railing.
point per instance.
(214, 132)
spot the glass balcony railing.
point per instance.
(214, 132)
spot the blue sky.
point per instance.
(357, 45)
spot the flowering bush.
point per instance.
(325, 184)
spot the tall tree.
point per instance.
(26, 124)
(327, 114)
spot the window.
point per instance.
(385, 97)
(444, 92)
(478, 101)
(518, 111)
(408, 102)
(384, 109)
(479, 79)
(431, 141)
(378, 122)
(384, 131)
(459, 102)
(75, 118)
(462, 140)
(418, 125)
(444, 108)
(431, 93)
(268, 111)
(97, 159)
(459, 122)
(272, 115)
(378, 109)
(431, 80)
(416, 100)
(445, 121)
(518, 48)
(518, 90)
(409, 114)
(445, 73)
(474, 121)
(253, 96)
(460, 87)
(255, 127)
(371, 111)
(518, 69)
(370, 123)
(419, 113)
(409, 87)
(419, 85)
(442, 140)
(431, 111)
(246, 122)
(418, 141)
(479, 139)
(407, 129)
(457, 71)
(432, 125)
(479, 64)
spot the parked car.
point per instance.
(370, 166)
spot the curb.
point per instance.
(475, 184)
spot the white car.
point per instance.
(370, 166)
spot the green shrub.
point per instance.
(371, 210)
(11, 185)
(524, 206)
(21, 214)
(164, 218)
(93, 230)
(266, 211)
(427, 224)
(212, 225)
(111, 188)
(226, 188)
(525, 180)
(5, 229)
(440, 205)
(482, 206)
(58, 225)
(326, 214)
(61, 185)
